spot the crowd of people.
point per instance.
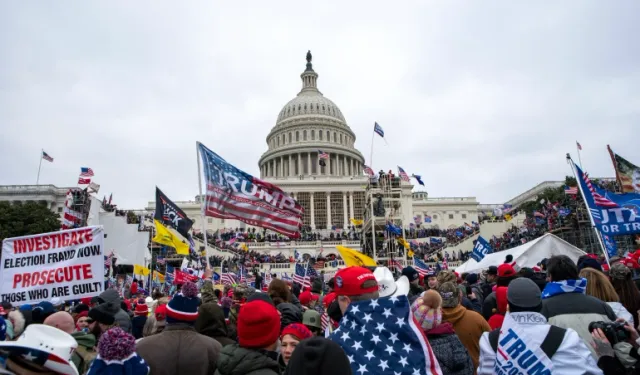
(560, 317)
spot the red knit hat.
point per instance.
(298, 330)
(258, 325)
(506, 270)
(141, 309)
(86, 301)
(326, 301)
(350, 280)
(161, 312)
(306, 297)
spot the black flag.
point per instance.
(171, 215)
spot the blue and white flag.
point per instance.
(235, 194)
(610, 244)
(613, 214)
(480, 249)
(378, 130)
(381, 337)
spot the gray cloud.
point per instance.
(480, 99)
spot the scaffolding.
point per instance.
(80, 202)
(383, 205)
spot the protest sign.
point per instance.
(67, 264)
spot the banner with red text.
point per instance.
(68, 264)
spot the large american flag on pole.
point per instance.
(234, 194)
(403, 175)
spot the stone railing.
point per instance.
(289, 268)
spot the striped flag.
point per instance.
(228, 278)
(368, 170)
(71, 218)
(396, 264)
(160, 260)
(318, 265)
(421, 266)
(86, 172)
(234, 194)
(599, 199)
(323, 155)
(46, 157)
(571, 190)
(325, 321)
(301, 277)
(578, 145)
(84, 181)
(403, 175)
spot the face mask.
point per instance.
(334, 311)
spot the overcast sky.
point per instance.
(481, 98)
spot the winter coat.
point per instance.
(488, 305)
(207, 293)
(572, 357)
(414, 292)
(449, 351)
(137, 325)
(235, 360)
(82, 358)
(210, 322)
(576, 311)
(179, 349)
(469, 326)
(289, 314)
(122, 318)
(621, 312)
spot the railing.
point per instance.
(32, 189)
(451, 199)
(290, 267)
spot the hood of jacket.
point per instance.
(234, 360)
(453, 314)
(210, 321)
(88, 340)
(110, 295)
(289, 313)
(444, 328)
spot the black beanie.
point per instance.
(103, 314)
(318, 356)
(508, 259)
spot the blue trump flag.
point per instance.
(380, 336)
(611, 245)
(613, 214)
(480, 249)
(234, 194)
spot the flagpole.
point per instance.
(204, 226)
(373, 135)
(40, 166)
(579, 157)
(584, 198)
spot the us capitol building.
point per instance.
(308, 125)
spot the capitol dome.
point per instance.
(309, 129)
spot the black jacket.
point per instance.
(210, 322)
(234, 360)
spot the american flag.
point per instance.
(107, 261)
(84, 181)
(571, 190)
(599, 199)
(318, 265)
(381, 337)
(160, 260)
(71, 218)
(323, 155)
(396, 264)
(228, 278)
(169, 275)
(46, 157)
(301, 276)
(378, 129)
(325, 321)
(86, 172)
(368, 170)
(403, 175)
(421, 266)
(234, 194)
(578, 145)
(284, 276)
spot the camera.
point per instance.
(614, 331)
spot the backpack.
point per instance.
(86, 358)
(549, 345)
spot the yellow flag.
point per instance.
(243, 246)
(140, 270)
(410, 254)
(356, 222)
(507, 217)
(157, 276)
(355, 258)
(403, 243)
(166, 237)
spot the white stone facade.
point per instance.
(52, 195)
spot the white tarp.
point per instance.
(128, 244)
(527, 255)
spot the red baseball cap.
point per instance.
(349, 281)
(506, 270)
